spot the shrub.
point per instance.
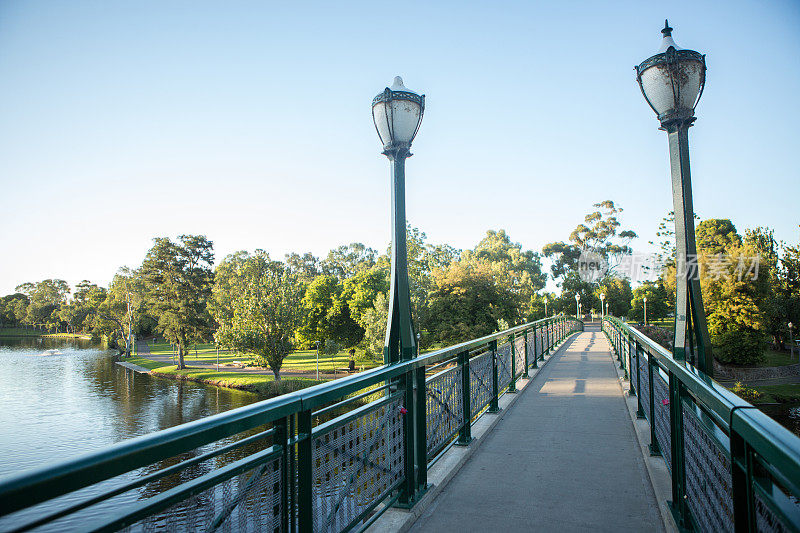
(744, 392)
(739, 347)
(660, 335)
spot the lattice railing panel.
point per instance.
(766, 520)
(356, 464)
(531, 348)
(444, 409)
(645, 394)
(634, 369)
(503, 365)
(661, 412)
(480, 382)
(250, 501)
(519, 352)
(708, 476)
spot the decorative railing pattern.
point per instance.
(329, 458)
(732, 467)
(445, 408)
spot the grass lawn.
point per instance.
(789, 393)
(774, 358)
(299, 361)
(262, 384)
(19, 332)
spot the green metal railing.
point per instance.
(332, 457)
(733, 468)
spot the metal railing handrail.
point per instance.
(51, 481)
(763, 439)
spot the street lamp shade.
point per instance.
(397, 113)
(672, 80)
(577, 297)
(645, 299)
(602, 296)
(791, 325)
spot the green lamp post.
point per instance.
(672, 82)
(397, 113)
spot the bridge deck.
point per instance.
(564, 457)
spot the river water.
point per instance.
(55, 407)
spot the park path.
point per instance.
(564, 457)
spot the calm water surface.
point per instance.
(57, 407)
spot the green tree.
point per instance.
(716, 236)
(374, 322)
(327, 315)
(13, 309)
(45, 300)
(178, 278)
(265, 313)
(600, 233)
(658, 303)
(116, 315)
(618, 296)
(345, 261)
(467, 303)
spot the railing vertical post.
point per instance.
(422, 430)
(535, 348)
(679, 506)
(525, 342)
(639, 410)
(651, 368)
(465, 435)
(631, 388)
(541, 343)
(547, 337)
(305, 471)
(282, 439)
(744, 516)
(512, 387)
(409, 488)
(494, 406)
(292, 487)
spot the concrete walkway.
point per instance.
(564, 457)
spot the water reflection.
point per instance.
(60, 406)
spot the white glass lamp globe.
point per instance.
(397, 113)
(672, 80)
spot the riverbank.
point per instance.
(24, 332)
(261, 384)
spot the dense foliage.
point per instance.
(266, 307)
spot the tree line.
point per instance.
(253, 303)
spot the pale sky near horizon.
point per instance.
(250, 122)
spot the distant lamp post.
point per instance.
(317, 360)
(672, 82)
(602, 306)
(791, 341)
(645, 310)
(397, 113)
(418, 337)
(577, 305)
(545, 306)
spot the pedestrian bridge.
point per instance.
(539, 427)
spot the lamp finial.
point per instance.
(667, 31)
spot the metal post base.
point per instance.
(654, 450)
(463, 443)
(417, 497)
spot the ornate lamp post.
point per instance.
(791, 341)
(577, 306)
(602, 306)
(397, 113)
(672, 82)
(645, 310)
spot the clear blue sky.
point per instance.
(250, 122)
